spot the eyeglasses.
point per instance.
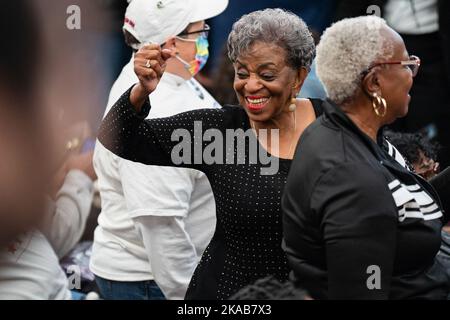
(203, 32)
(413, 64)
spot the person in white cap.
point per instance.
(156, 222)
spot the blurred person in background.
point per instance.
(75, 88)
(24, 143)
(156, 222)
(32, 113)
(425, 27)
(222, 81)
(109, 53)
(29, 265)
(270, 288)
(420, 152)
(69, 207)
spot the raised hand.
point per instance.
(149, 66)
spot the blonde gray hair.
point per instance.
(346, 50)
(273, 26)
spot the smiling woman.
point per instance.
(261, 83)
(272, 51)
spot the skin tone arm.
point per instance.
(82, 162)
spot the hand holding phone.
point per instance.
(82, 162)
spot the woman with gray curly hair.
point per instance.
(271, 51)
(363, 226)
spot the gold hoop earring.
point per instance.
(293, 106)
(379, 103)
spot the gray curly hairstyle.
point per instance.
(346, 50)
(276, 26)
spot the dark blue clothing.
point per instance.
(136, 290)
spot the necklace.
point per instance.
(290, 155)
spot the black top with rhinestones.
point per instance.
(246, 245)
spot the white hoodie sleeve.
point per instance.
(66, 217)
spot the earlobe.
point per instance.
(371, 84)
(301, 77)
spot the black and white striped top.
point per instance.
(352, 204)
(412, 201)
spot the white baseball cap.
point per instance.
(153, 21)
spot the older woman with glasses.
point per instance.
(358, 224)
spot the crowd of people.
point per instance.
(325, 178)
